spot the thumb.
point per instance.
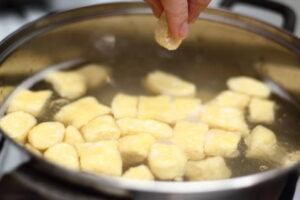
(177, 17)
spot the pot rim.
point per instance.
(41, 25)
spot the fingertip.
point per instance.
(177, 17)
(184, 29)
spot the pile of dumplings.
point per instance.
(169, 136)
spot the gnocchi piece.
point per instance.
(185, 108)
(212, 168)
(221, 143)
(101, 128)
(157, 108)
(73, 136)
(17, 125)
(100, 157)
(80, 112)
(159, 82)
(141, 172)
(231, 99)
(124, 106)
(168, 110)
(167, 161)
(95, 75)
(46, 134)
(69, 85)
(130, 126)
(29, 101)
(291, 158)
(226, 118)
(248, 86)
(261, 143)
(162, 35)
(261, 111)
(190, 137)
(186, 127)
(134, 149)
(33, 150)
(63, 154)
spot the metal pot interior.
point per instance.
(123, 40)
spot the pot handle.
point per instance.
(288, 15)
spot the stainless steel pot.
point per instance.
(220, 44)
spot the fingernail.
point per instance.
(183, 30)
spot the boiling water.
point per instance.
(286, 125)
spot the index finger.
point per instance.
(177, 17)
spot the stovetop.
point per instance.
(15, 13)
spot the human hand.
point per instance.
(179, 13)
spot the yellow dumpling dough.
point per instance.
(17, 125)
(29, 101)
(69, 85)
(262, 144)
(124, 106)
(185, 108)
(190, 137)
(141, 172)
(162, 34)
(73, 136)
(100, 157)
(249, 86)
(167, 161)
(225, 118)
(131, 126)
(135, 148)
(101, 128)
(291, 158)
(95, 75)
(221, 143)
(231, 99)
(46, 134)
(80, 112)
(212, 168)
(33, 150)
(159, 82)
(261, 111)
(157, 108)
(167, 109)
(64, 155)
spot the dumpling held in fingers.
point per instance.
(162, 34)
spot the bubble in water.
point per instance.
(53, 107)
(263, 167)
(57, 104)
